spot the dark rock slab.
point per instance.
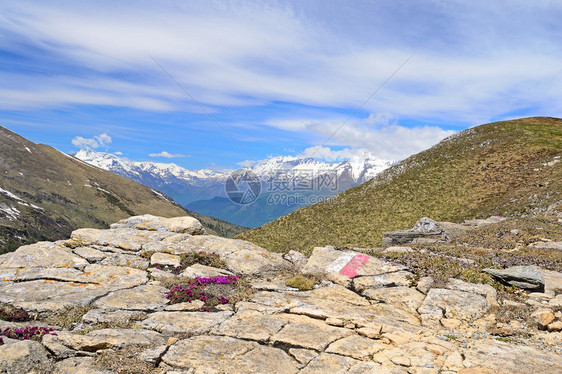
(526, 277)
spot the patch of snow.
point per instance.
(10, 212)
(160, 195)
(29, 150)
(9, 194)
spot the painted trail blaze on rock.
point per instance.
(354, 265)
(348, 264)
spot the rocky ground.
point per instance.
(108, 303)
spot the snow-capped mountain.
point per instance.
(357, 171)
(195, 189)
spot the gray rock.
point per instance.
(188, 225)
(23, 357)
(526, 277)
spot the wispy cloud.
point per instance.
(473, 62)
(166, 155)
(239, 54)
(102, 140)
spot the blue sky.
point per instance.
(280, 77)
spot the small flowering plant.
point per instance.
(26, 333)
(212, 291)
(12, 313)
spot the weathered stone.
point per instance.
(145, 297)
(198, 270)
(109, 338)
(526, 277)
(356, 346)
(370, 332)
(187, 225)
(547, 245)
(251, 325)
(160, 275)
(424, 284)
(553, 282)
(153, 355)
(339, 294)
(214, 354)
(454, 304)
(124, 238)
(450, 323)
(118, 338)
(543, 318)
(121, 259)
(89, 254)
(241, 257)
(298, 259)
(118, 317)
(555, 326)
(160, 258)
(406, 298)
(509, 358)
(23, 357)
(195, 305)
(376, 313)
(399, 278)
(78, 365)
(453, 362)
(191, 323)
(305, 332)
(398, 250)
(303, 356)
(329, 363)
(52, 296)
(480, 289)
(33, 256)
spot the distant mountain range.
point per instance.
(45, 194)
(287, 183)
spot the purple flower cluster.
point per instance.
(196, 290)
(13, 314)
(27, 333)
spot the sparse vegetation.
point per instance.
(203, 258)
(123, 361)
(68, 317)
(302, 282)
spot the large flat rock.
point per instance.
(223, 354)
(187, 224)
(23, 357)
(191, 323)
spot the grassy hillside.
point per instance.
(47, 194)
(508, 168)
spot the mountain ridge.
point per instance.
(508, 168)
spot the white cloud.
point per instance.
(102, 140)
(328, 154)
(377, 136)
(472, 61)
(166, 154)
(118, 153)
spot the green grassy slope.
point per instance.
(505, 168)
